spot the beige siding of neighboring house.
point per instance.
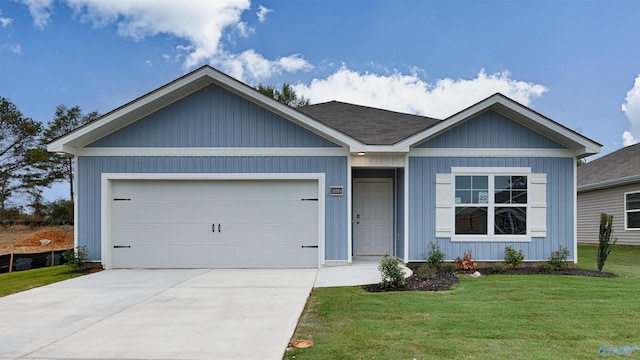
(611, 201)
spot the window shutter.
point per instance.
(444, 205)
(538, 203)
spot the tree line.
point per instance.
(27, 169)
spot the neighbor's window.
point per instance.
(502, 213)
(632, 210)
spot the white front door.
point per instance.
(372, 217)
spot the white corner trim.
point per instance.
(239, 151)
(105, 196)
(493, 152)
(406, 210)
(349, 211)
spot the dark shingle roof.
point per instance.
(368, 125)
(617, 165)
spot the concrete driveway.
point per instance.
(157, 314)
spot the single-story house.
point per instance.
(610, 184)
(206, 172)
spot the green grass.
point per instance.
(11, 283)
(493, 317)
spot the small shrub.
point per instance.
(545, 267)
(498, 268)
(435, 255)
(604, 243)
(558, 259)
(426, 272)
(512, 257)
(76, 260)
(448, 267)
(466, 263)
(391, 272)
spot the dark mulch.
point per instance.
(442, 280)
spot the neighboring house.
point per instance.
(207, 172)
(610, 184)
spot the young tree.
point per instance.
(18, 136)
(286, 96)
(59, 168)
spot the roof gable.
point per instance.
(176, 90)
(519, 113)
(212, 117)
(490, 130)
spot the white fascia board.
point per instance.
(232, 151)
(447, 123)
(100, 128)
(609, 183)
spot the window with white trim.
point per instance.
(491, 204)
(632, 211)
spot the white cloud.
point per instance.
(13, 48)
(5, 21)
(409, 93)
(631, 108)
(201, 24)
(252, 67)
(40, 11)
(262, 13)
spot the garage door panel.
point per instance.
(197, 257)
(225, 235)
(168, 224)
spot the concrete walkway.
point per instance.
(157, 314)
(354, 274)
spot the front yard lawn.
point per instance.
(11, 283)
(492, 317)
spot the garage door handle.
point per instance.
(121, 246)
(219, 228)
(310, 246)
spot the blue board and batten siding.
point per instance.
(210, 118)
(213, 117)
(491, 130)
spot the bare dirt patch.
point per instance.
(21, 239)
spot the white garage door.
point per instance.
(214, 224)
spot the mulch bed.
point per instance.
(442, 280)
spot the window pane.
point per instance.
(511, 220)
(463, 196)
(480, 197)
(502, 182)
(519, 182)
(480, 182)
(519, 197)
(463, 182)
(633, 201)
(471, 220)
(633, 220)
(503, 197)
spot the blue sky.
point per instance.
(577, 62)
